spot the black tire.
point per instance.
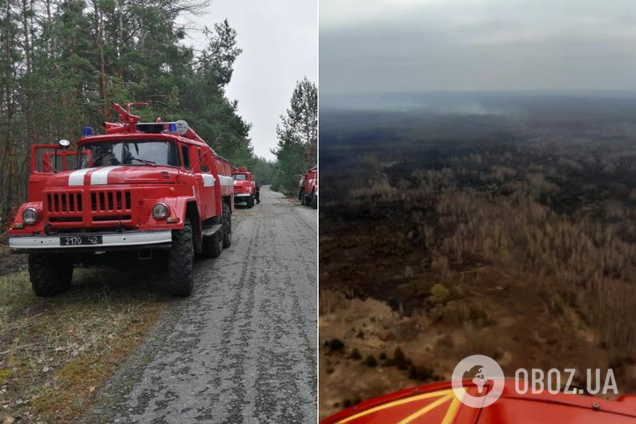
(213, 245)
(227, 226)
(180, 261)
(314, 200)
(250, 202)
(50, 274)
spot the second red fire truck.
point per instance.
(244, 186)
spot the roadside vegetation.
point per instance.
(516, 242)
(64, 63)
(56, 353)
(297, 148)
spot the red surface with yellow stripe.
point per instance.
(437, 404)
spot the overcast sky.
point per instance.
(407, 45)
(279, 42)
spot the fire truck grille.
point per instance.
(64, 202)
(111, 201)
(76, 209)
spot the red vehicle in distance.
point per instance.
(244, 186)
(308, 188)
(437, 404)
(141, 190)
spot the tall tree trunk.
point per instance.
(8, 92)
(28, 54)
(49, 19)
(99, 42)
(120, 38)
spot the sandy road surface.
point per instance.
(242, 348)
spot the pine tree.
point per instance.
(64, 62)
(297, 137)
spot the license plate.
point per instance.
(80, 240)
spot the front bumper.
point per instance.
(242, 195)
(109, 240)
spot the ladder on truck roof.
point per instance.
(129, 123)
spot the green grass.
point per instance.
(56, 353)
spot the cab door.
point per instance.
(207, 182)
(50, 158)
(47, 159)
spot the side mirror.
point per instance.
(64, 144)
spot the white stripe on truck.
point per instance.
(76, 178)
(100, 176)
(226, 181)
(208, 180)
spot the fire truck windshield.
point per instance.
(151, 152)
(240, 177)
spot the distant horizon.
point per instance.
(440, 99)
(517, 104)
(482, 91)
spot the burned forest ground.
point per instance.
(451, 235)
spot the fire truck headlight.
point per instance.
(160, 211)
(30, 216)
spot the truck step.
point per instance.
(210, 230)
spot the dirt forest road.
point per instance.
(242, 348)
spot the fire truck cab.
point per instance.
(138, 191)
(244, 186)
(308, 188)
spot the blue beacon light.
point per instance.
(86, 131)
(172, 128)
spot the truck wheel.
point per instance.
(180, 261)
(213, 245)
(227, 226)
(250, 202)
(50, 274)
(314, 200)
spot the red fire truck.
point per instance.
(244, 186)
(139, 191)
(437, 404)
(308, 188)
